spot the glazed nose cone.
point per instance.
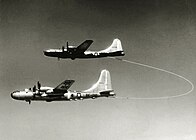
(13, 94)
(46, 52)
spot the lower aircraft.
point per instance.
(73, 52)
(102, 88)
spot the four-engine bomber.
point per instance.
(102, 88)
(73, 52)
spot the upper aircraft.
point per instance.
(73, 52)
(102, 88)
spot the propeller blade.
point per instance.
(67, 45)
(34, 88)
(38, 85)
(63, 48)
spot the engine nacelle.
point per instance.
(70, 95)
(67, 96)
(49, 91)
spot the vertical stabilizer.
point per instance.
(103, 84)
(114, 47)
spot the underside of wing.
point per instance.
(64, 86)
(84, 46)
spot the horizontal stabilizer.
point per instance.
(106, 92)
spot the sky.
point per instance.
(160, 33)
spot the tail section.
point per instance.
(114, 47)
(103, 84)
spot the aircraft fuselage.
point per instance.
(29, 95)
(88, 54)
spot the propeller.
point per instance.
(38, 87)
(34, 88)
(63, 48)
(67, 45)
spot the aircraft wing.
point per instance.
(64, 86)
(84, 46)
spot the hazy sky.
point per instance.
(160, 33)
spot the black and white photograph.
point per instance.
(101, 70)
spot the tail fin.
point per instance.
(115, 46)
(103, 84)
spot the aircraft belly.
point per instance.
(91, 55)
(60, 98)
(58, 54)
(118, 53)
(102, 54)
(49, 98)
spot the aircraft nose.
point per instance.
(45, 52)
(13, 94)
